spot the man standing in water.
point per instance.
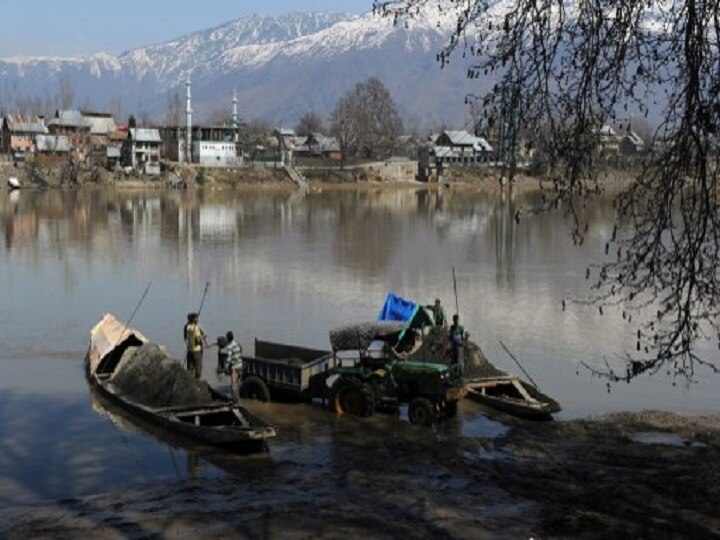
(195, 342)
(458, 338)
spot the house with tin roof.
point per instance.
(461, 147)
(18, 134)
(141, 150)
(631, 143)
(70, 124)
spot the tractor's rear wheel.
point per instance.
(349, 396)
(421, 412)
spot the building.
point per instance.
(631, 143)
(285, 144)
(52, 145)
(461, 147)
(99, 123)
(213, 146)
(215, 153)
(113, 157)
(320, 145)
(18, 134)
(71, 125)
(608, 140)
(141, 150)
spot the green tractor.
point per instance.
(369, 376)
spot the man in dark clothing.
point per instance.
(438, 313)
(458, 338)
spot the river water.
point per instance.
(282, 267)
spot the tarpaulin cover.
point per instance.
(397, 308)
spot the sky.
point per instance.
(73, 27)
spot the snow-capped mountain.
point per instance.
(281, 68)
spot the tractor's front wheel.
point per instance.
(421, 412)
(350, 397)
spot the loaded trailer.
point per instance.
(285, 372)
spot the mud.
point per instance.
(382, 478)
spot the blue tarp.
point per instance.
(397, 308)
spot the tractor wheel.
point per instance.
(349, 396)
(254, 388)
(450, 409)
(421, 412)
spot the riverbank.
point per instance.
(369, 176)
(648, 474)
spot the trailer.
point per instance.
(285, 372)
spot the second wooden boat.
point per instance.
(514, 396)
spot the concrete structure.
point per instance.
(215, 153)
(175, 141)
(141, 150)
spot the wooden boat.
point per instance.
(221, 423)
(512, 395)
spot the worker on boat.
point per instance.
(458, 339)
(233, 363)
(195, 342)
(438, 313)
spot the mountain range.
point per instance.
(281, 67)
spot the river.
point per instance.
(283, 267)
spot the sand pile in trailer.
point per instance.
(434, 349)
(149, 376)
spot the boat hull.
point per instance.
(226, 429)
(513, 396)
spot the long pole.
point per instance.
(137, 306)
(519, 365)
(457, 308)
(202, 302)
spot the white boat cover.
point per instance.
(105, 336)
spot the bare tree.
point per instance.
(66, 93)
(575, 66)
(174, 110)
(311, 122)
(366, 121)
(116, 107)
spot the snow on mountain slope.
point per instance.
(281, 66)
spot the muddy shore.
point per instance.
(649, 474)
